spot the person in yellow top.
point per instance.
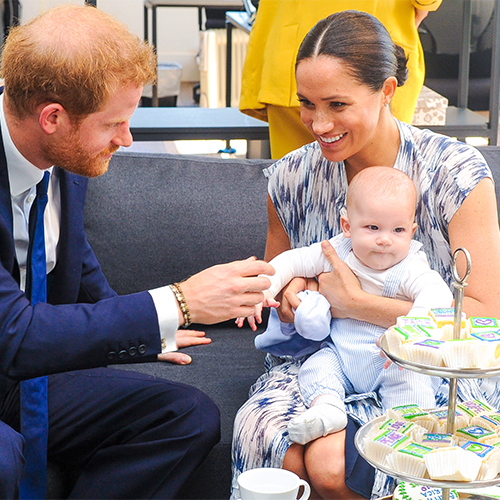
(268, 83)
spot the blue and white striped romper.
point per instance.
(308, 192)
(350, 362)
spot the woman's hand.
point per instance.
(289, 300)
(341, 287)
(420, 15)
(184, 338)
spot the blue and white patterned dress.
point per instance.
(308, 192)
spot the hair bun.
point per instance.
(402, 68)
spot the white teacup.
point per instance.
(271, 484)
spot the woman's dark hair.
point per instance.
(362, 42)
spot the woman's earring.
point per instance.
(386, 104)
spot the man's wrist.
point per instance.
(183, 309)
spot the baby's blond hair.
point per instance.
(381, 182)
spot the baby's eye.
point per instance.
(399, 230)
(373, 227)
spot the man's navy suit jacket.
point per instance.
(84, 324)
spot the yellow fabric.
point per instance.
(279, 28)
(286, 130)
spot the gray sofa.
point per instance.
(156, 219)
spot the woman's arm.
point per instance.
(348, 300)
(475, 228)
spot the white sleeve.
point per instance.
(168, 316)
(425, 287)
(305, 262)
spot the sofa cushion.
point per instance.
(154, 219)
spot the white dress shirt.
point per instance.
(23, 178)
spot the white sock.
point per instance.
(327, 416)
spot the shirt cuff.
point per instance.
(168, 316)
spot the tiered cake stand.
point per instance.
(450, 373)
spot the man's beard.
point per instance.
(70, 155)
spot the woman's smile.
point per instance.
(333, 139)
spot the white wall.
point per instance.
(177, 28)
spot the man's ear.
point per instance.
(346, 227)
(52, 117)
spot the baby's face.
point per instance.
(381, 230)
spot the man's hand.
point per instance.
(226, 291)
(184, 338)
(340, 286)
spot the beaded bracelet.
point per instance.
(177, 291)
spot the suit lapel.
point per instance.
(7, 249)
(64, 280)
(5, 200)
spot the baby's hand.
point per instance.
(387, 362)
(256, 317)
(270, 301)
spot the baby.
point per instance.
(376, 243)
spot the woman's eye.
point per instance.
(305, 102)
(336, 104)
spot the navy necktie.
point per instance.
(34, 412)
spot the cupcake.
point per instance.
(426, 352)
(477, 324)
(489, 343)
(409, 460)
(397, 336)
(466, 353)
(425, 323)
(380, 446)
(438, 440)
(474, 407)
(475, 433)
(445, 319)
(401, 411)
(412, 413)
(445, 316)
(489, 455)
(490, 421)
(461, 420)
(452, 464)
(411, 429)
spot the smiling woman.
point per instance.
(345, 89)
(268, 87)
(344, 95)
